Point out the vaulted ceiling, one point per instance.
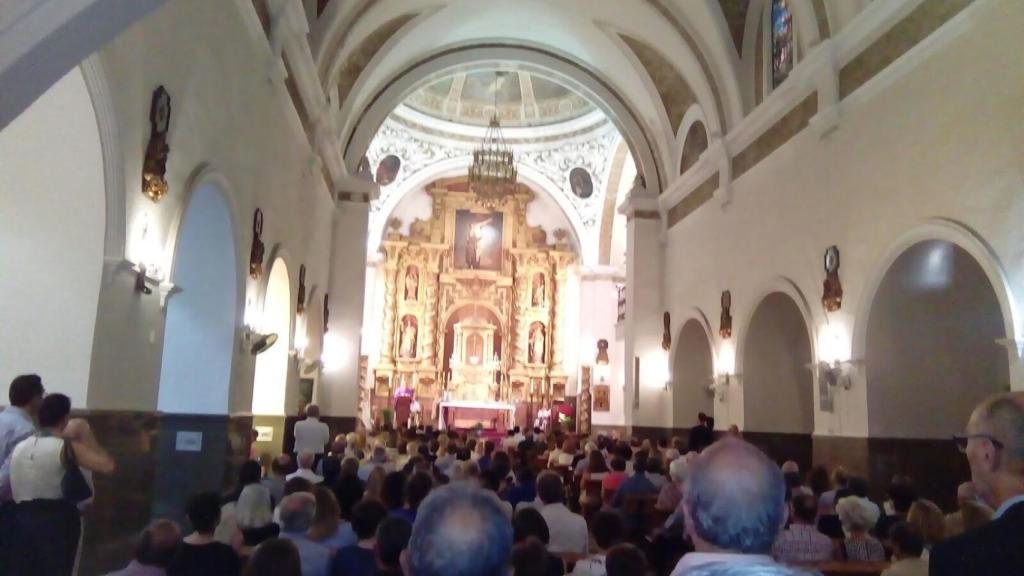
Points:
(655, 67)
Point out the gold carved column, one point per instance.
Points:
(431, 302)
(391, 251)
(521, 302)
(560, 262)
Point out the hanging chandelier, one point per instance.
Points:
(492, 175)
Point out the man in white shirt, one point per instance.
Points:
(568, 529)
(513, 439)
(311, 435)
(735, 505)
(306, 460)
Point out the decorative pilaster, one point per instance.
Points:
(560, 264)
(521, 301)
(430, 299)
(391, 252)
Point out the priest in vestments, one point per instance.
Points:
(403, 404)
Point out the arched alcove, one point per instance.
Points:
(195, 373)
(778, 389)
(52, 227)
(271, 378)
(692, 370)
(930, 347)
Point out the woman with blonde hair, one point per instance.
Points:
(374, 484)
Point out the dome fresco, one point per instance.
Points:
(524, 99)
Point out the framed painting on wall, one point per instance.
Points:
(602, 398)
(478, 240)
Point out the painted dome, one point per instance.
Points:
(524, 99)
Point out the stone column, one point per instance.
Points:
(643, 312)
(338, 391)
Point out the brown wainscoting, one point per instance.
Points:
(782, 446)
(935, 466)
(152, 478)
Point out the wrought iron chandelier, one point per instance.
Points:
(492, 175)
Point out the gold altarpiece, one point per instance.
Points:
(473, 305)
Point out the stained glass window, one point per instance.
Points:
(782, 41)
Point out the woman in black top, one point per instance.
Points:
(200, 554)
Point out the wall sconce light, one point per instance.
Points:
(332, 358)
(254, 341)
(147, 265)
(834, 366)
(836, 374)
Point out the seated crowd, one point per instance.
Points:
(427, 503)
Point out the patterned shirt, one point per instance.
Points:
(865, 549)
(802, 543)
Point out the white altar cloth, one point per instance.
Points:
(477, 405)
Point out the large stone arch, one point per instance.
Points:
(200, 330)
(568, 71)
(51, 230)
(929, 335)
(693, 366)
(776, 352)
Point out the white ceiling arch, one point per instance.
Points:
(583, 36)
(641, 141)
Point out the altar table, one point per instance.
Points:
(451, 409)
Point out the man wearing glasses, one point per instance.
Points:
(994, 446)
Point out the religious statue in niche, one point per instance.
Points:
(407, 342)
(832, 296)
(725, 327)
(478, 240)
(537, 343)
(539, 290)
(412, 282)
(300, 299)
(154, 166)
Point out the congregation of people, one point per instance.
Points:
(420, 502)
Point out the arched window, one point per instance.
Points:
(782, 41)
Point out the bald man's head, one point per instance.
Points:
(735, 498)
(995, 447)
(460, 531)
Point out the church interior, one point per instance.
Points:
(800, 217)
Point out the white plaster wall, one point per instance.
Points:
(943, 139)
(599, 308)
(51, 239)
(231, 114)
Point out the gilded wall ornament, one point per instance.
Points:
(154, 165)
(256, 251)
(832, 294)
(725, 327)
